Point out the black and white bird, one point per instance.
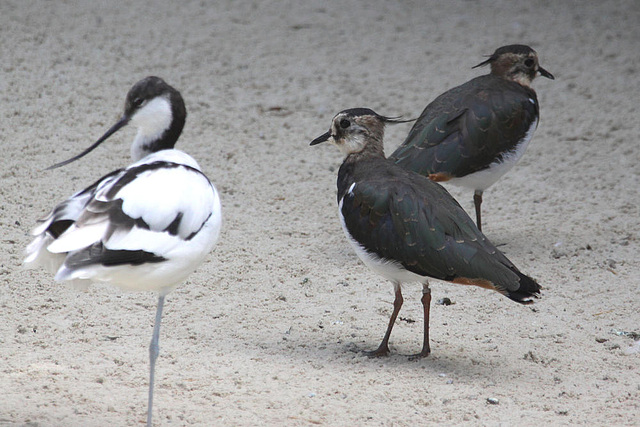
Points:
(408, 228)
(475, 133)
(145, 227)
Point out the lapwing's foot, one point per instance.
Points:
(382, 351)
(424, 353)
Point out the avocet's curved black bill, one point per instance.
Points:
(120, 124)
(545, 73)
(322, 138)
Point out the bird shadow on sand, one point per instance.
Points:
(515, 242)
(445, 360)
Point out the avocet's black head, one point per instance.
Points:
(357, 129)
(156, 109)
(516, 62)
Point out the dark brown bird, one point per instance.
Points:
(473, 134)
(408, 228)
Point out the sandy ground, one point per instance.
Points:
(270, 329)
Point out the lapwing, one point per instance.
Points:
(145, 227)
(473, 134)
(408, 228)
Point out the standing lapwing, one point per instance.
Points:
(145, 227)
(408, 228)
(473, 134)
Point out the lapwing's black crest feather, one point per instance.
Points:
(358, 112)
(516, 49)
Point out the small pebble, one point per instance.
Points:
(445, 301)
(633, 335)
(492, 400)
(634, 349)
(558, 253)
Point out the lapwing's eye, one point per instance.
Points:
(137, 102)
(344, 123)
(529, 62)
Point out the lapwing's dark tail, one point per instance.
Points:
(528, 289)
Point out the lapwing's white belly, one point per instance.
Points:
(485, 178)
(389, 269)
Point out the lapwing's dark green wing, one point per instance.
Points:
(423, 228)
(468, 127)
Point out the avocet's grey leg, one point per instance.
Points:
(154, 349)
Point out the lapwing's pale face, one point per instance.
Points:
(521, 68)
(351, 132)
(518, 63)
(348, 134)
